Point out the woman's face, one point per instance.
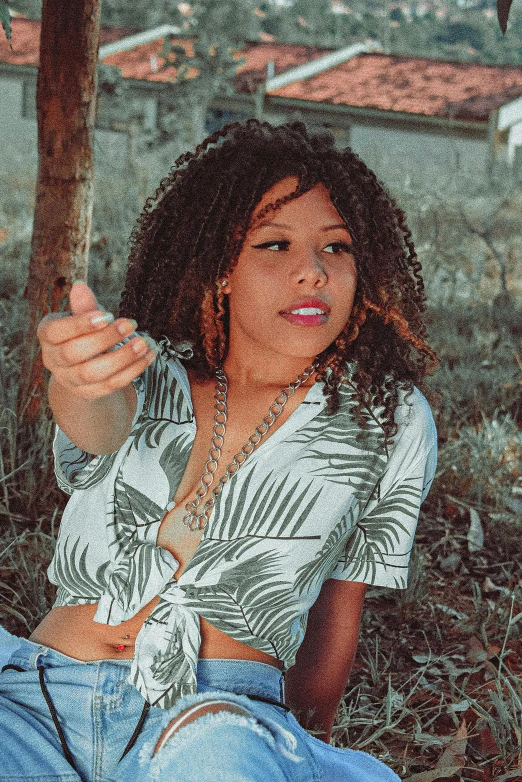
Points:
(291, 292)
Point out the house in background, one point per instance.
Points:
(18, 74)
(395, 111)
(404, 115)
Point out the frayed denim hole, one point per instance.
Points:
(146, 752)
(208, 697)
(285, 741)
(187, 702)
(277, 739)
(194, 732)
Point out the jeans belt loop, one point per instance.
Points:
(43, 651)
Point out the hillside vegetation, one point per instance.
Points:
(465, 30)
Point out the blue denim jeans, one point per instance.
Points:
(98, 711)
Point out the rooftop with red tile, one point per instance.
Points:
(25, 41)
(388, 82)
(416, 85)
(144, 61)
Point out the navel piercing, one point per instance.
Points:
(122, 647)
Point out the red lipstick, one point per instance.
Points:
(307, 312)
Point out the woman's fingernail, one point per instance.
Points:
(139, 346)
(126, 326)
(102, 319)
(75, 282)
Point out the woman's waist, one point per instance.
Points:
(72, 631)
(243, 677)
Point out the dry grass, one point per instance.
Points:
(436, 689)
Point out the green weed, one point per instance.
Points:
(439, 664)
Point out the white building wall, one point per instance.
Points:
(412, 155)
(18, 137)
(17, 134)
(407, 154)
(515, 144)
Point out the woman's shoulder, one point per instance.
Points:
(414, 411)
(416, 436)
(412, 415)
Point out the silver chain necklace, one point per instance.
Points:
(198, 521)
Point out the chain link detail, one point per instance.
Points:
(198, 521)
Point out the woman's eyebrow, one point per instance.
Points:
(270, 224)
(335, 227)
(273, 224)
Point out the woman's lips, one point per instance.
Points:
(307, 314)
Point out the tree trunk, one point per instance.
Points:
(66, 104)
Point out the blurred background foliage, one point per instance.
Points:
(464, 30)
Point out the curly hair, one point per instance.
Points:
(192, 229)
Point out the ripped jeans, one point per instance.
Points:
(98, 717)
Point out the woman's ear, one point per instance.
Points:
(225, 285)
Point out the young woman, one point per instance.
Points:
(240, 469)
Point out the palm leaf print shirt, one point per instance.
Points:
(321, 498)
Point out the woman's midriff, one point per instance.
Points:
(72, 631)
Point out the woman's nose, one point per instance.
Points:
(310, 269)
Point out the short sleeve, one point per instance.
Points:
(378, 547)
(75, 468)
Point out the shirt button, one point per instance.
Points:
(171, 505)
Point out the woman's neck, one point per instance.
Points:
(277, 373)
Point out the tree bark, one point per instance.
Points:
(66, 104)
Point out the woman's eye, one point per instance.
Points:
(338, 247)
(282, 245)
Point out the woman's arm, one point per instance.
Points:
(90, 390)
(318, 679)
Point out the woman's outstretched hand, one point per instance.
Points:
(77, 348)
(90, 390)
